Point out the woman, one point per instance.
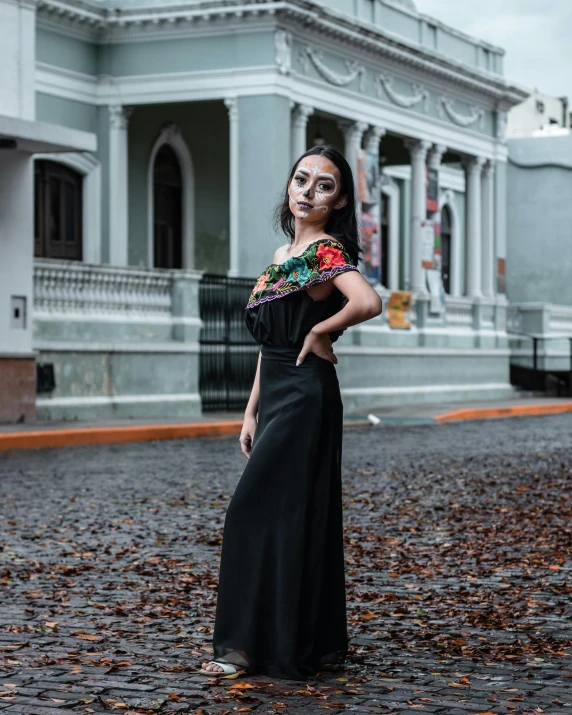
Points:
(281, 598)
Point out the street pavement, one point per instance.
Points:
(458, 561)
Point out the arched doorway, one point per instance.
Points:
(57, 211)
(446, 222)
(167, 209)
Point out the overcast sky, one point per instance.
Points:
(534, 33)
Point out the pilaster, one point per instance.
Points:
(231, 104)
(473, 167)
(418, 151)
(487, 229)
(118, 184)
(300, 116)
(353, 134)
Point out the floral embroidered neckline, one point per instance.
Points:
(320, 261)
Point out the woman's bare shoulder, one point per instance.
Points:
(281, 254)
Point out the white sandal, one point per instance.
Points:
(227, 669)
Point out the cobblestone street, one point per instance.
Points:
(458, 558)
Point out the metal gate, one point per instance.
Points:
(228, 353)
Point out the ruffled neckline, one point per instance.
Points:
(320, 261)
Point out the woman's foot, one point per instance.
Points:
(225, 666)
(212, 667)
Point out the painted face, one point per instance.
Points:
(314, 191)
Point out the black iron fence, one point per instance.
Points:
(538, 375)
(228, 353)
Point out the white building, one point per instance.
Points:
(195, 103)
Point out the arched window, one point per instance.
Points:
(57, 211)
(446, 248)
(167, 210)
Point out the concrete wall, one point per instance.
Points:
(16, 247)
(66, 112)
(116, 361)
(539, 235)
(17, 362)
(210, 52)
(17, 59)
(68, 52)
(264, 163)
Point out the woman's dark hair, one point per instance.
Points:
(342, 224)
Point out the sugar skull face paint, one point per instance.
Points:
(314, 190)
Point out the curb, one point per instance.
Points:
(115, 435)
(145, 433)
(484, 413)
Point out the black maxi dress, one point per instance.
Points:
(281, 607)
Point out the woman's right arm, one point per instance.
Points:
(249, 424)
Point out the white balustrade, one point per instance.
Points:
(459, 311)
(63, 287)
(560, 319)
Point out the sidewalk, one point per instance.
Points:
(217, 424)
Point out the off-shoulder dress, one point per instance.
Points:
(281, 606)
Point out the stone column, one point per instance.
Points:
(231, 104)
(473, 168)
(300, 116)
(118, 185)
(434, 162)
(418, 150)
(353, 134)
(488, 238)
(372, 143)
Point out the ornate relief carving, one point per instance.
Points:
(445, 105)
(501, 125)
(283, 51)
(340, 80)
(420, 94)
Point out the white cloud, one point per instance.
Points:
(535, 35)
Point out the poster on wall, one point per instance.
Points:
(432, 184)
(437, 253)
(427, 244)
(501, 275)
(436, 291)
(371, 245)
(368, 177)
(398, 309)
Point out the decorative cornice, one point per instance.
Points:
(316, 57)
(420, 94)
(88, 21)
(463, 120)
(501, 125)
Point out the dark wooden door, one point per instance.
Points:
(57, 211)
(167, 210)
(385, 239)
(446, 248)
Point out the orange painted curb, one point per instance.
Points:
(479, 413)
(114, 435)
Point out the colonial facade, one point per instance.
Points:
(199, 109)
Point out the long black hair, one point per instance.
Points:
(342, 224)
